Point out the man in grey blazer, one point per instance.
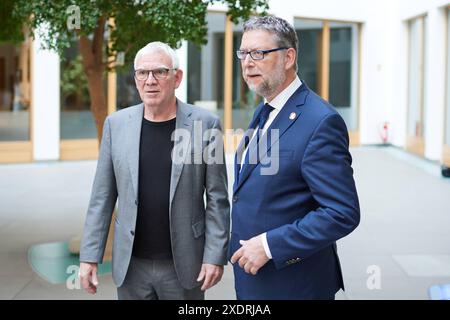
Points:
(159, 161)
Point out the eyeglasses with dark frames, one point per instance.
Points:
(158, 73)
(256, 54)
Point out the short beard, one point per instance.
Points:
(267, 88)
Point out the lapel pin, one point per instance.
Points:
(292, 116)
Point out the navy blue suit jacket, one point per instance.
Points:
(305, 207)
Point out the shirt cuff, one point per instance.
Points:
(266, 245)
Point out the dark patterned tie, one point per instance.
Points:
(263, 116)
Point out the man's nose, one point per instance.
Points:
(247, 61)
(151, 79)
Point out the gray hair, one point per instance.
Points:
(158, 46)
(285, 34)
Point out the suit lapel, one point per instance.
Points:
(183, 121)
(134, 127)
(282, 122)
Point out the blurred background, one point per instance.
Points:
(384, 65)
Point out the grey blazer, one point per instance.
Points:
(199, 232)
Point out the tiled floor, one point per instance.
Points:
(400, 249)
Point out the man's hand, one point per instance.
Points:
(251, 255)
(88, 276)
(211, 274)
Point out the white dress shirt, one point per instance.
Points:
(277, 103)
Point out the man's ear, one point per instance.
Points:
(178, 77)
(291, 54)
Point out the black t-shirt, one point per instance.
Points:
(152, 235)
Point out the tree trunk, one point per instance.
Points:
(94, 68)
(99, 107)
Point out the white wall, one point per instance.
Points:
(46, 103)
(376, 47)
(412, 8)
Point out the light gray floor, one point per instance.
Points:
(402, 246)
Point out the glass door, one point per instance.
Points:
(15, 103)
(77, 126)
(416, 68)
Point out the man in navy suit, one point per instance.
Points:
(285, 221)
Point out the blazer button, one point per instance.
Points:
(235, 199)
(132, 233)
(136, 202)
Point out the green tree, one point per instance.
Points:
(136, 22)
(10, 25)
(73, 82)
